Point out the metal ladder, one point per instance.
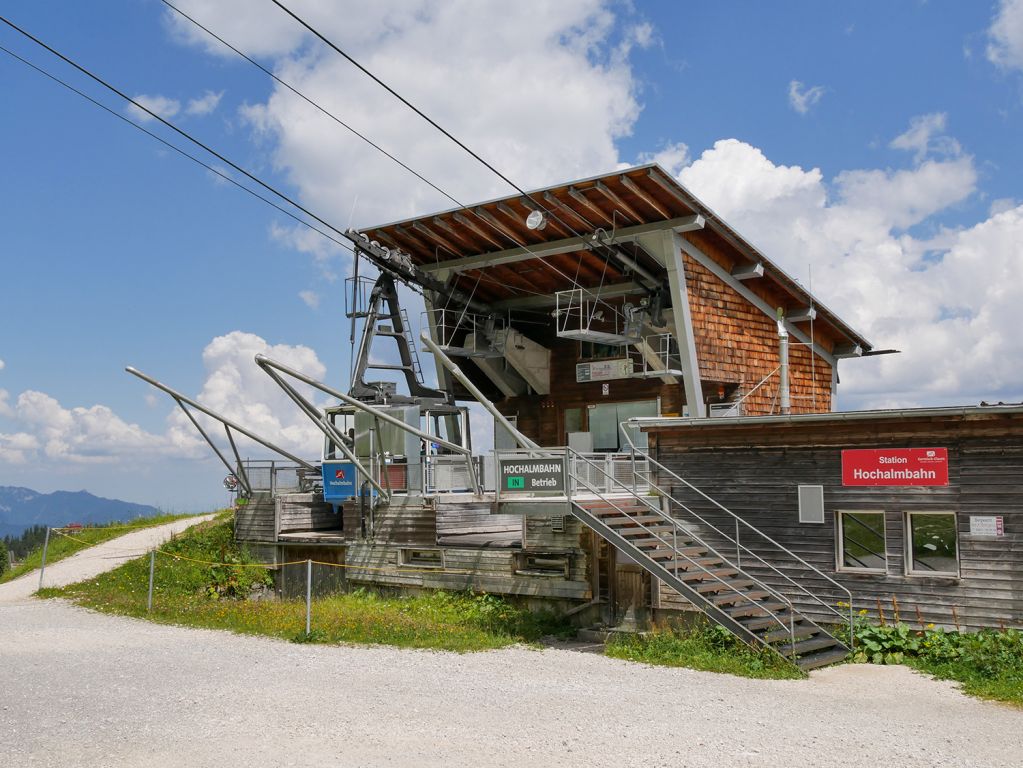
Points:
(669, 549)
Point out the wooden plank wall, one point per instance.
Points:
(759, 484)
(457, 516)
(305, 512)
(737, 343)
(479, 570)
(255, 520)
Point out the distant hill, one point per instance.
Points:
(21, 508)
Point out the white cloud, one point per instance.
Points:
(1001, 205)
(159, 105)
(48, 432)
(2, 365)
(542, 96)
(672, 157)
(205, 104)
(952, 304)
(926, 135)
(1005, 49)
(311, 298)
(802, 98)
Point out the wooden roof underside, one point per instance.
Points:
(493, 255)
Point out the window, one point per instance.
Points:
(422, 558)
(540, 564)
(861, 542)
(592, 350)
(932, 547)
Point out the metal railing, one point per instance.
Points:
(271, 476)
(676, 552)
(740, 525)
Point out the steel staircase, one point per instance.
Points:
(758, 614)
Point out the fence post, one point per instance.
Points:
(152, 568)
(308, 595)
(42, 568)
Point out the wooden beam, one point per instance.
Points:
(847, 350)
(437, 239)
(584, 201)
(487, 237)
(634, 188)
(619, 203)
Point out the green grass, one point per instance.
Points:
(987, 663)
(65, 543)
(704, 647)
(196, 595)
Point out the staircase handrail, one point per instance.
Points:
(676, 526)
(738, 520)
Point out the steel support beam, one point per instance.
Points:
(666, 247)
(555, 247)
(772, 312)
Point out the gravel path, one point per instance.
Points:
(82, 689)
(95, 560)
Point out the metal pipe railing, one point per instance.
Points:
(740, 521)
(676, 526)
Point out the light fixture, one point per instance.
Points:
(536, 220)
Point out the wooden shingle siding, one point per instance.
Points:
(737, 343)
(759, 482)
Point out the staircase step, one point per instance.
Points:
(755, 623)
(758, 609)
(699, 565)
(700, 575)
(667, 554)
(741, 597)
(822, 659)
(804, 647)
(655, 542)
(800, 629)
(660, 530)
(622, 520)
(714, 585)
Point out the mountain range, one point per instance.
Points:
(21, 508)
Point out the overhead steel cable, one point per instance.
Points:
(174, 128)
(331, 44)
(483, 220)
(177, 149)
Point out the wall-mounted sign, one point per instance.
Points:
(603, 370)
(895, 466)
(987, 525)
(522, 475)
(339, 481)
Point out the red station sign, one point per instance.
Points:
(895, 466)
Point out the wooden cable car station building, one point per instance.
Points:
(665, 440)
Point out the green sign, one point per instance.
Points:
(529, 475)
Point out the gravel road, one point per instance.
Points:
(79, 688)
(95, 560)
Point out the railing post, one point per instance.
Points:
(42, 567)
(308, 595)
(152, 569)
(738, 561)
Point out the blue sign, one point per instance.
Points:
(340, 481)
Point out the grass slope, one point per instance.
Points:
(65, 544)
(705, 647)
(198, 595)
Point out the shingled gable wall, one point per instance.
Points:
(737, 343)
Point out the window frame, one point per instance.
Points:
(840, 565)
(907, 525)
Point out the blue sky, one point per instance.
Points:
(877, 141)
